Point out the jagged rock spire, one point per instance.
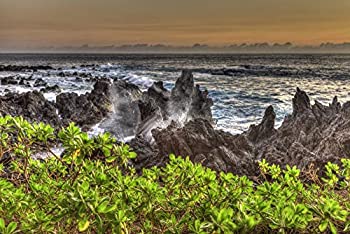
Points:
(265, 129)
(301, 102)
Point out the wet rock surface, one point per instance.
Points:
(10, 80)
(53, 89)
(39, 82)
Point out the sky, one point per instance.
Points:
(39, 23)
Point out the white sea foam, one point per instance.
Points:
(50, 96)
(55, 151)
(96, 130)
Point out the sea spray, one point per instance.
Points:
(124, 116)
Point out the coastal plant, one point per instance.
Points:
(92, 187)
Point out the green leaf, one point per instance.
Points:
(83, 225)
(347, 227)
(251, 221)
(85, 186)
(2, 224)
(323, 225)
(197, 225)
(11, 227)
(106, 151)
(111, 159)
(132, 155)
(224, 214)
(110, 209)
(103, 207)
(333, 228)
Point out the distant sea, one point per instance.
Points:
(242, 86)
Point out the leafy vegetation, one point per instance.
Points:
(93, 188)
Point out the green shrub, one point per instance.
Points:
(92, 188)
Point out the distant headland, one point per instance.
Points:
(263, 47)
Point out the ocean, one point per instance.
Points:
(241, 85)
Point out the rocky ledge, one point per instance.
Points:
(180, 122)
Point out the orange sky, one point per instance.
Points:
(36, 23)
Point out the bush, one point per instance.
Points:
(93, 188)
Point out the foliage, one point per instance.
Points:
(93, 188)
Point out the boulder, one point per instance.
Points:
(51, 89)
(10, 80)
(39, 82)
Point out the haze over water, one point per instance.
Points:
(240, 97)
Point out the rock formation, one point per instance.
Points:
(158, 107)
(312, 134)
(180, 122)
(203, 144)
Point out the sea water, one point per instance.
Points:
(240, 97)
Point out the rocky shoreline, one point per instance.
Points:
(180, 122)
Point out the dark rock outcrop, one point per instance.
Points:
(180, 122)
(19, 68)
(203, 144)
(265, 129)
(32, 106)
(313, 134)
(123, 109)
(113, 103)
(25, 82)
(53, 89)
(10, 80)
(87, 109)
(147, 154)
(189, 100)
(39, 82)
